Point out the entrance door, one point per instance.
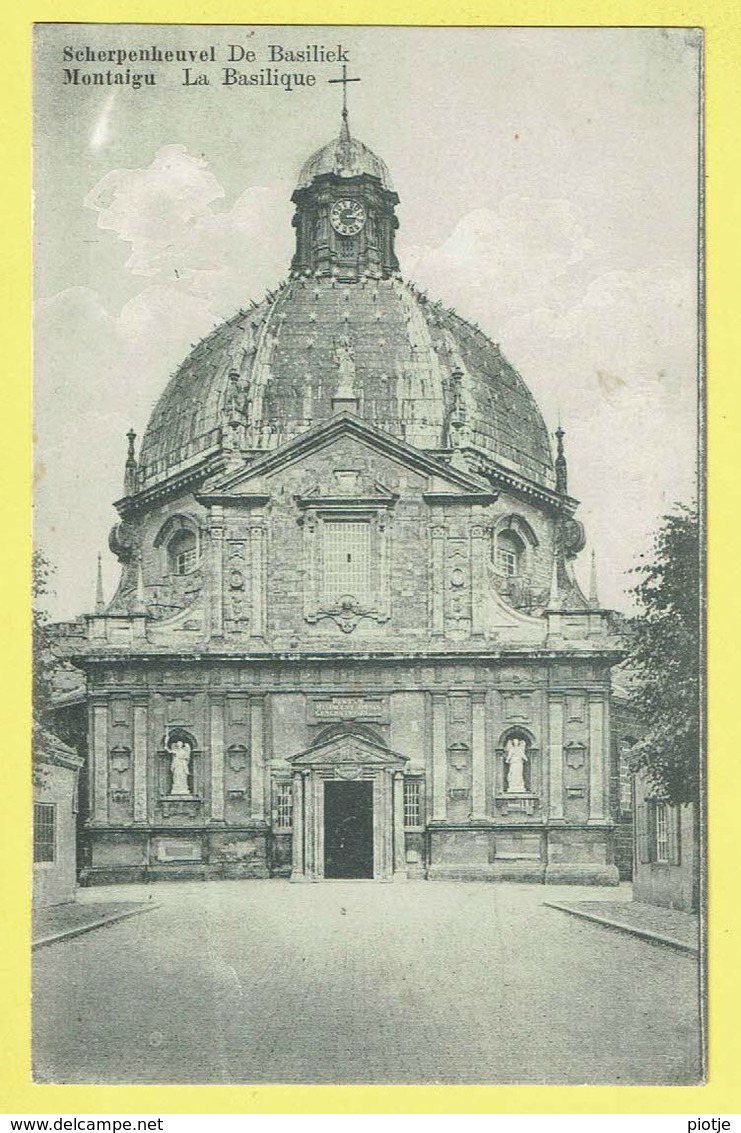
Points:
(348, 828)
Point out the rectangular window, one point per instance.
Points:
(346, 548)
(44, 832)
(507, 562)
(661, 828)
(412, 802)
(284, 806)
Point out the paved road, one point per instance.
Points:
(361, 982)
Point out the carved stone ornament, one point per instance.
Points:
(348, 771)
(576, 755)
(185, 807)
(347, 613)
(120, 760)
(237, 757)
(120, 796)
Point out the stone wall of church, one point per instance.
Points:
(451, 724)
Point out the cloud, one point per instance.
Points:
(611, 352)
(173, 216)
(498, 263)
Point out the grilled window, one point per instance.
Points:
(183, 551)
(44, 832)
(412, 802)
(661, 829)
(346, 548)
(507, 561)
(284, 806)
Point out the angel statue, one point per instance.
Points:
(515, 756)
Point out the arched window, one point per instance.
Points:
(178, 544)
(509, 554)
(182, 551)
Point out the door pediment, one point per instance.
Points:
(348, 751)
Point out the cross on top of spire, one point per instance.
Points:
(345, 130)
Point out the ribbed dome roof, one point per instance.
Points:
(380, 339)
(345, 157)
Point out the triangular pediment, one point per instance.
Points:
(251, 479)
(349, 749)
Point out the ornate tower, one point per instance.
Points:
(345, 219)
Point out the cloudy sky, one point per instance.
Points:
(548, 183)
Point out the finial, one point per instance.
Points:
(130, 475)
(99, 596)
(593, 596)
(560, 463)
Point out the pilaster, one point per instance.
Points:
(555, 747)
(478, 755)
(217, 760)
(100, 763)
(439, 757)
(597, 758)
(257, 758)
(140, 762)
(216, 545)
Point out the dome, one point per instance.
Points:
(344, 157)
(414, 369)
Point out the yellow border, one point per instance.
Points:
(722, 24)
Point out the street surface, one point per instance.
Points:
(355, 981)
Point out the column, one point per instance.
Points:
(217, 761)
(555, 735)
(216, 534)
(257, 758)
(478, 551)
(297, 869)
(597, 759)
(437, 599)
(478, 755)
(257, 571)
(100, 763)
(140, 762)
(400, 862)
(439, 757)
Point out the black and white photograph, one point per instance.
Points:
(368, 741)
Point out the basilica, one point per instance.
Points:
(347, 641)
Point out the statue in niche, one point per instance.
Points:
(180, 753)
(515, 757)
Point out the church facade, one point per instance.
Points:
(347, 640)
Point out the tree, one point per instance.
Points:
(665, 660)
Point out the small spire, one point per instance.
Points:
(344, 128)
(561, 470)
(99, 596)
(130, 474)
(593, 596)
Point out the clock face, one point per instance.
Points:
(347, 217)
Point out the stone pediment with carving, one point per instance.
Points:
(349, 750)
(352, 486)
(254, 479)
